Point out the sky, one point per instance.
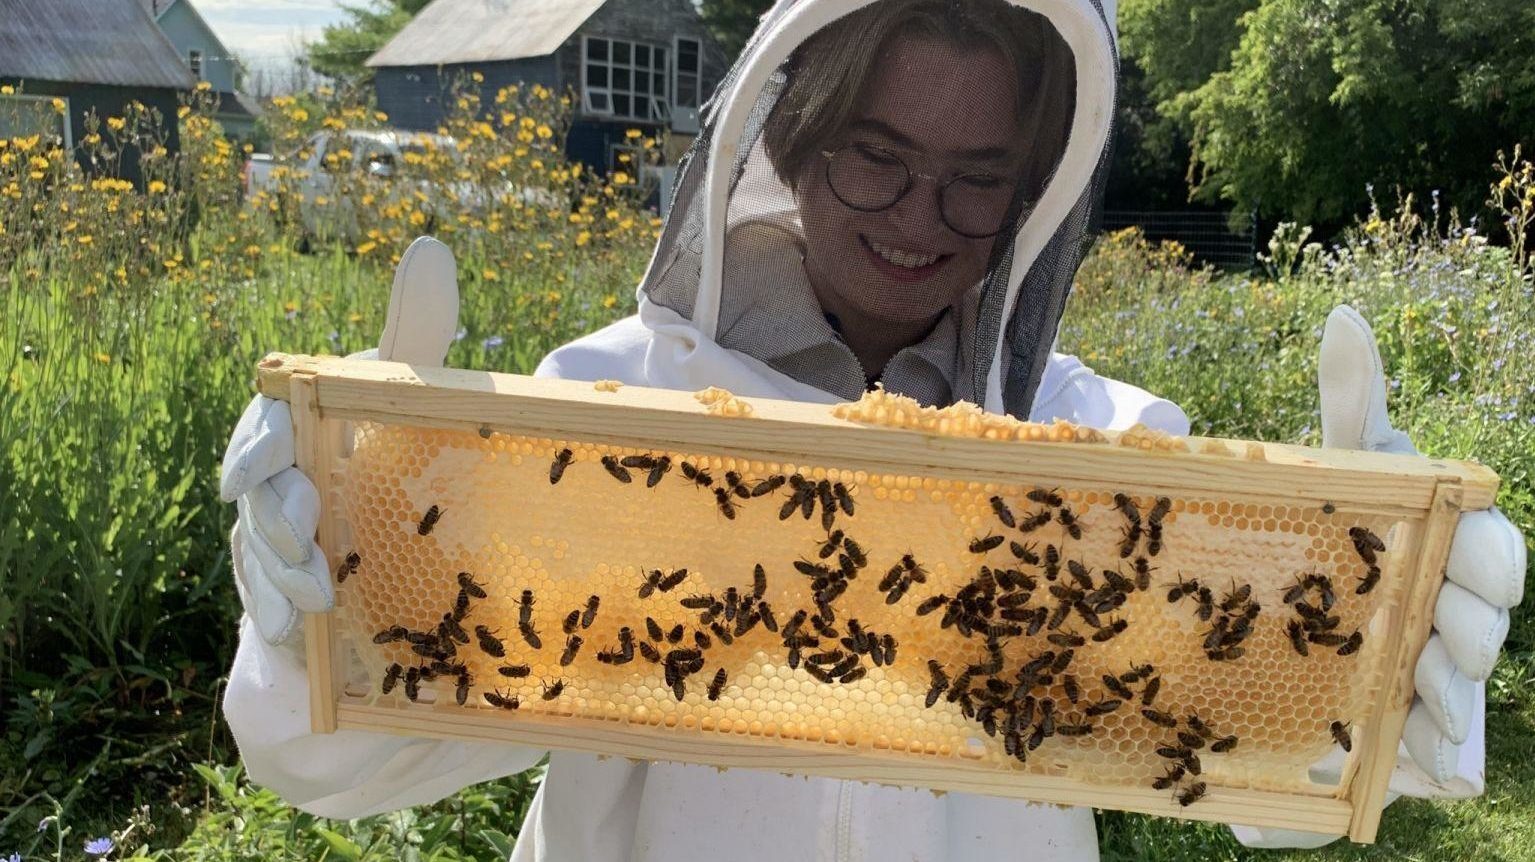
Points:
(268, 33)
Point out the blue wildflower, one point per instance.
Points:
(14, 857)
(1455, 377)
(492, 342)
(459, 335)
(99, 847)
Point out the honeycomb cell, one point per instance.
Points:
(590, 534)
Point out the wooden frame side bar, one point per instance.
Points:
(315, 458)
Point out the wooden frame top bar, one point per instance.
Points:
(657, 418)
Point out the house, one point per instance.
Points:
(65, 59)
(646, 64)
(208, 60)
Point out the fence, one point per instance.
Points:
(1207, 235)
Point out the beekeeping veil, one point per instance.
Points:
(746, 181)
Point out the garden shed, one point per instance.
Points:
(646, 64)
(64, 59)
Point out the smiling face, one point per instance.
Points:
(946, 112)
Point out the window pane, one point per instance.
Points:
(641, 107)
(621, 104)
(658, 83)
(597, 49)
(621, 79)
(620, 52)
(660, 63)
(596, 76)
(600, 102)
(687, 54)
(687, 91)
(642, 55)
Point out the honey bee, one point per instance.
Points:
(1173, 775)
(589, 615)
(844, 497)
(557, 467)
(1328, 639)
(1117, 581)
(1366, 543)
(615, 469)
(1079, 571)
(1182, 588)
(932, 603)
(1190, 739)
(702, 640)
(515, 671)
(1052, 562)
(717, 685)
(670, 582)
(429, 520)
(726, 506)
(1102, 707)
(1341, 736)
(1323, 585)
(1159, 718)
(855, 552)
(795, 500)
(391, 676)
(412, 683)
(1371, 578)
(854, 675)
(461, 690)
(1328, 508)
(1068, 519)
(650, 653)
(638, 462)
(348, 566)
(1297, 637)
(765, 613)
(1024, 552)
(469, 585)
(1236, 598)
(449, 628)
(1044, 497)
(887, 646)
(1004, 514)
(1143, 571)
(553, 691)
(1198, 725)
(1066, 639)
(675, 635)
(663, 464)
(1131, 538)
(1035, 521)
(1194, 793)
(831, 544)
(501, 701)
(391, 634)
(572, 646)
(1072, 688)
(985, 544)
(489, 644)
(768, 486)
(530, 635)
(1108, 632)
(1224, 744)
(1352, 645)
(572, 619)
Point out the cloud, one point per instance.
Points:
(268, 31)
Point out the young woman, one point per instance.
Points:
(896, 192)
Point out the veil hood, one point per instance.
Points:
(1016, 308)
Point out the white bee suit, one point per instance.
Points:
(695, 330)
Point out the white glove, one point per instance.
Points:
(279, 568)
(1484, 577)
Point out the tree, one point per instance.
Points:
(1317, 100)
(343, 48)
(732, 21)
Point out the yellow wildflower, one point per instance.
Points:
(609, 301)
(104, 358)
(116, 124)
(156, 187)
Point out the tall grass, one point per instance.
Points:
(131, 319)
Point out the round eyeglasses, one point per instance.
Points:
(869, 178)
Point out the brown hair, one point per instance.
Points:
(828, 73)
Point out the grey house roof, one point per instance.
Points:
(471, 31)
(111, 42)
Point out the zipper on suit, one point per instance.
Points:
(845, 821)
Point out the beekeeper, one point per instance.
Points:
(898, 192)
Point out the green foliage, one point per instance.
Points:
(1321, 100)
(343, 48)
(732, 21)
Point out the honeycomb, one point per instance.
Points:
(1113, 637)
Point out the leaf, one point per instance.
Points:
(36, 744)
(499, 840)
(339, 844)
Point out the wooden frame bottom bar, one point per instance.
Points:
(1222, 805)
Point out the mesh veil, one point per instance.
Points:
(779, 251)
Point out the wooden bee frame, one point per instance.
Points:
(1424, 496)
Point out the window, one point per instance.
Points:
(687, 89)
(625, 80)
(195, 63)
(22, 116)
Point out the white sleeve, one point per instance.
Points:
(349, 773)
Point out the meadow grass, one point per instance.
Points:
(131, 320)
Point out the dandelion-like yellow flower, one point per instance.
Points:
(366, 247)
(631, 134)
(583, 238)
(609, 301)
(490, 275)
(104, 358)
(620, 178)
(156, 187)
(60, 105)
(116, 124)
